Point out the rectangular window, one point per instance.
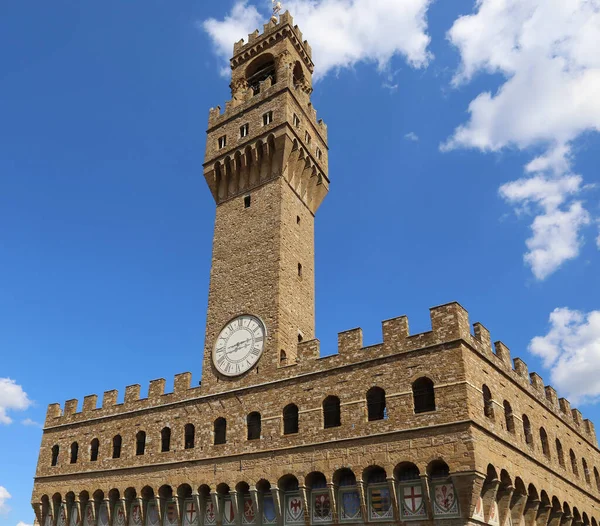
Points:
(247, 201)
(296, 121)
(222, 142)
(244, 130)
(267, 118)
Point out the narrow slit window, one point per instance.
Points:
(307, 138)
(299, 270)
(222, 142)
(319, 154)
(296, 121)
(244, 130)
(268, 118)
(247, 201)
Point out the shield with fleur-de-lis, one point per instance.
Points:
(444, 499)
(135, 514)
(210, 516)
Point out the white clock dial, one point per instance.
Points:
(239, 345)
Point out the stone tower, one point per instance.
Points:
(266, 166)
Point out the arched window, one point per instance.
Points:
(586, 471)
(95, 446)
(560, 453)
(544, 440)
(331, 412)
(407, 471)
(376, 404)
(282, 357)
(509, 417)
(597, 477)
(438, 469)
(117, 443)
(165, 439)
(298, 75)
(527, 430)
(220, 431)
(140, 443)
(574, 463)
(55, 450)
(260, 70)
(189, 436)
(423, 395)
(488, 403)
(253, 422)
(74, 452)
(290, 419)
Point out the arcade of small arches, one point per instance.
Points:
(504, 501)
(376, 495)
(256, 163)
(423, 391)
(510, 423)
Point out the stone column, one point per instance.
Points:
(214, 497)
(305, 497)
(237, 510)
(566, 520)
(426, 489)
(394, 496)
(180, 509)
(256, 504)
(333, 499)
(277, 498)
(109, 511)
(362, 490)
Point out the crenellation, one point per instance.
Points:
(450, 322)
(90, 403)
(565, 407)
(591, 430)
(309, 351)
(577, 417)
(182, 383)
(71, 407)
(132, 393)
(253, 37)
(537, 383)
(54, 411)
(156, 389)
(350, 341)
(552, 397)
(299, 33)
(483, 336)
(395, 332)
(521, 369)
(110, 399)
(503, 353)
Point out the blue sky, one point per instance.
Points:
(463, 165)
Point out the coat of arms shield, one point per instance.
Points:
(294, 510)
(228, 512)
(269, 515)
(209, 515)
(190, 513)
(350, 505)
(88, 516)
(413, 504)
(119, 519)
(170, 514)
(444, 501)
(135, 518)
(103, 515)
(249, 516)
(62, 517)
(321, 507)
(74, 516)
(152, 515)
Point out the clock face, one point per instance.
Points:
(239, 345)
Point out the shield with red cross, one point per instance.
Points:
(190, 513)
(412, 501)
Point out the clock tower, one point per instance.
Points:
(266, 166)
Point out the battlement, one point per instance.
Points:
(449, 324)
(270, 30)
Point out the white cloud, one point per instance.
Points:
(4, 496)
(411, 136)
(341, 32)
(31, 423)
(12, 397)
(547, 52)
(571, 349)
(21, 523)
